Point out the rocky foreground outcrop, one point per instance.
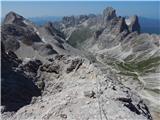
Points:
(71, 88)
(65, 87)
(17, 87)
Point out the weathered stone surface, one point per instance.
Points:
(13, 34)
(67, 94)
(12, 17)
(108, 14)
(52, 68)
(44, 49)
(17, 89)
(30, 67)
(90, 94)
(51, 29)
(74, 65)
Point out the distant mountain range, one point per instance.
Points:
(148, 25)
(43, 20)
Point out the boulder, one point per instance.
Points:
(90, 94)
(51, 68)
(73, 65)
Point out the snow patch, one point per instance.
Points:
(37, 33)
(25, 22)
(43, 39)
(35, 30)
(128, 21)
(124, 55)
(26, 60)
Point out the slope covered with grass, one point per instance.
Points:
(79, 36)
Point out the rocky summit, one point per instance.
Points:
(87, 67)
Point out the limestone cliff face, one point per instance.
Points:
(17, 88)
(108, 14)
(134, 24)
(12, 17)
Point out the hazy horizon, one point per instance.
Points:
(149, 9)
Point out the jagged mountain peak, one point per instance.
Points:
(14, 14)
(108, 14)
(107, 19)
(121, 25)
(133, 24)
(50, 27)
(49, 24)
(13, 17)
(52, 30)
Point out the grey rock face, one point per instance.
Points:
(73, 20)
(44, 49)
(51, 68)
(82, 18)
(108, 14)
(90, 94)
(30, 67)
(98, 33)
(69, 21)
(17, 88)
(74, 65)
(18, 33)
(12, 17)
(11, 44)
(138, 109)
(118, 25)
(134, 24)
(50, 27)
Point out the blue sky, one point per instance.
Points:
(149, 9)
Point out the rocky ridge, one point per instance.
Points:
(73, 88)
